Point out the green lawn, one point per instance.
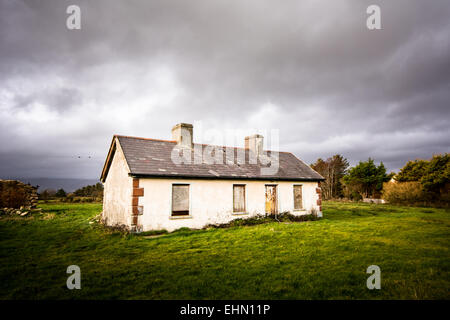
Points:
(325, 259)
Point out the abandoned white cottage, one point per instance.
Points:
(147, 188)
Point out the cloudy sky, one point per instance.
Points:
(310, 69)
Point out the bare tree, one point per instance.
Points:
(333, 170)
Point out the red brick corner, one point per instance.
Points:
(136, 209)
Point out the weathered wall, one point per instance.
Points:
(211, 201)
(16, 194)
(117, 192)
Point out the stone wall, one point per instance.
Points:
(377, 201)
(16, 194)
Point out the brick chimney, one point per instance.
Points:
(182, 133)
(255, 143)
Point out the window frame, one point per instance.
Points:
(293, 197)
(180, 216)
(245, 199)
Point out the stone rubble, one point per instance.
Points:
(17, 198)
(22, 212)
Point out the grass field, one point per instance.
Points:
(324, 259)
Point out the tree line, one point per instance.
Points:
(94, 192)
(422, 182)
(418, 181)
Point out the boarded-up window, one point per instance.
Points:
(180, 199)
(238, 198)
(298, 201)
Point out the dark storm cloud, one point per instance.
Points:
(309, 68)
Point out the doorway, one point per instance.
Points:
(271, 199)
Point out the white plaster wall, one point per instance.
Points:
(117, 192)
(211, 201)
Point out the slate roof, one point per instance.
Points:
(152, 158)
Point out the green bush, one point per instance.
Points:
(260, 219)
(355, 196)
(433, 175)
(410, 192)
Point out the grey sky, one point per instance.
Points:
(308, 68)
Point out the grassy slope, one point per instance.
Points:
(324, 259)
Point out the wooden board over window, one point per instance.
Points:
(238, 198)
(298, 198)
(180, 199)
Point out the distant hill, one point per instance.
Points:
(68, 184)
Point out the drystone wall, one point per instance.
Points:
(17, 196)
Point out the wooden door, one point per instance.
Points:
(271, 199)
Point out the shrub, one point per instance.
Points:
(14, 194)
(60, 193)
(355, 196)
(433, 174)
(95, 190)
(410, 192)
(260, 219)
(152, 233)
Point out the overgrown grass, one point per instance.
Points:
(324, 259)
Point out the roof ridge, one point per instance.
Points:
(202, 144)
(141, 138)
(215, 145)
